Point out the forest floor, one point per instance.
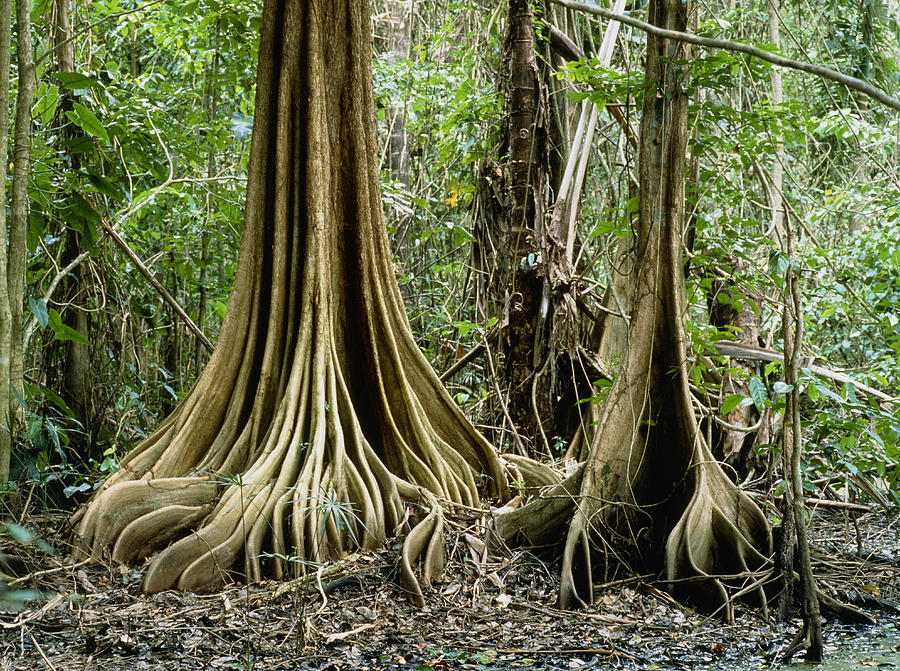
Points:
(487, 615)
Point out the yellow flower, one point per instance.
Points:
(454, 197)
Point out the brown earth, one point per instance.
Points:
(494, 614)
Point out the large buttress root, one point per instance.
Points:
(317, 419)
(722, 536)
(425, 541)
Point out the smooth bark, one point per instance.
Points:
(5, 311)
(20, 206)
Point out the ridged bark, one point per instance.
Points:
(317, 418)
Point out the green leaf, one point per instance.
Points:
(730, 403)
(812, 390)
(82, 117)
(758, 393)
(104, 185)
(780, 488)
(75, 80)
(39, 310)
(64, 331)
(18, 396)
(36, 226)
(778, 263)
(19, 533)
(47, 98)
(782, 387)
(825, 391)
(78, 145)
(82, 217)
(26, 537)
(57, 400)
(461, 236)
(38, 9)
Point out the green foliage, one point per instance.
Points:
(854, 439)
(125, 139)
(858, 306)
(137, 108)
(447, 95)
(604, 84)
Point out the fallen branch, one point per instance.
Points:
(745, 351)
(165, 295)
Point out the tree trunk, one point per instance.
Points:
(398, 37)
(75, 382)
(397, 44)
(316, 417)
(5, 312)
(211, 105)
(810, 636)
(20, 207)
(649, 480)
(508, 252)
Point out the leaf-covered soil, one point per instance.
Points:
(494, 614)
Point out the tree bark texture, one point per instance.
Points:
(316, 418)
(20, 206)
(5, 312)
(810, 636)
(510, 234)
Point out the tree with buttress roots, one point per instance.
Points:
(648, 489)
(317, 418)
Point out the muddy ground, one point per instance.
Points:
(496, 614)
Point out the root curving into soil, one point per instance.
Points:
(317, 420)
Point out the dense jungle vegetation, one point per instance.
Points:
(128, 138)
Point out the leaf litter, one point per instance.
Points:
(487, 614)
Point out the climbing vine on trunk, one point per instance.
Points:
(648, 481)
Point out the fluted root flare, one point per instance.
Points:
(317, 418)
(426, 540)
(722, 538)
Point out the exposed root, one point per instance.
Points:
(576, 578)
(844, 612)
(643, 463)
(317, 418)
(104, 521)
(528, 474)
(426, 540)
(804, 640)
(540, 520)
(720, 532)
(148, 534)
